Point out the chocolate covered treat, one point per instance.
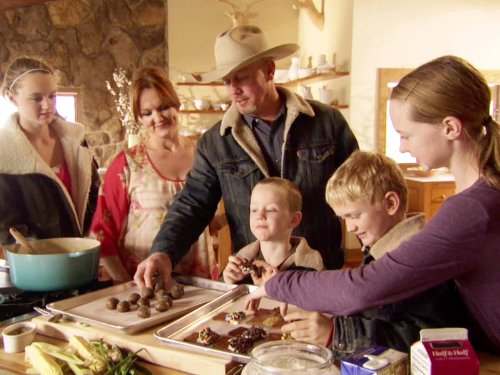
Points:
(148, 292)
(249, 268)
(177, 291)
(207, 337)
(133, 298)
(239, 344)
(235, 317)
(160, 293)
(254, 334)
(267, 318)
(143, 312)
(123, 306)
(162, 305)
(111, 303)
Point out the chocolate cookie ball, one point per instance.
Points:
(143, 301)
(143, 312)
(133, 298)
(148, 292)
(111, 303)
(123, 306)
(162, 305)
(177, 291)
(160, 294)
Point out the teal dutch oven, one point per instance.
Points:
(59, 264)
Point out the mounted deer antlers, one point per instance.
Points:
(238, 16)
(317, 16)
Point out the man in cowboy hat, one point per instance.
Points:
(267, 131)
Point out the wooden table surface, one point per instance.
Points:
(14, 363)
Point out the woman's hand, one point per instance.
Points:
(149, 268)
(253, 299)
(232, 273)
(309, 326)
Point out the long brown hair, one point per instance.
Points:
(152, 77)
(450, 86)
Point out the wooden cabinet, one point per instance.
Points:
(427, 194)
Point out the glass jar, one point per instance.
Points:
(291, 357)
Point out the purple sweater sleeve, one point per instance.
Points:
(446, 248)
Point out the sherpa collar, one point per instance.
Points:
(302, 255)
(19, 158)
(401, 232)
(233, 121)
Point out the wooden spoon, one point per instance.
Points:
(22, 240)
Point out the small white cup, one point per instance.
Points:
(17, 336)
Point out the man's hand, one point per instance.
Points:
(155, 264)
(232, 273)
(308, 326)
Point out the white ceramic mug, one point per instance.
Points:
(325, 95)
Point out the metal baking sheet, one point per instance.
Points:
(186, 327)
(91, 307)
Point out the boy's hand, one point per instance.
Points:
(309, 326)
(266, 272)
(232, 273)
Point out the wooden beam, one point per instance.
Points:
(12, 4)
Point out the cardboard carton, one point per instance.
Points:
(375, 360)
(443, 351)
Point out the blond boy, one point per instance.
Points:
(369, 192)
(275, 211)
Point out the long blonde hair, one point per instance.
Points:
(450, 86)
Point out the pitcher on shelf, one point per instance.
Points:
(293, 71)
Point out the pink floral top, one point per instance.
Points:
(133, 200)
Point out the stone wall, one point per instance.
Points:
(85, 40)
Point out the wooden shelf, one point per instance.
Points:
(219, 111)
(317, 77)
(203, 112)
(340, 106)
(200, 84)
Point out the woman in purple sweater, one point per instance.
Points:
(441, 112)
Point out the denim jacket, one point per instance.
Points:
(229, 163)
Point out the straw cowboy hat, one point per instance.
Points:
(239, 47)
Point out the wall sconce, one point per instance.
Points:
(317, 16)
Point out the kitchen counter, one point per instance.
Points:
(166, 359)
(14, 363)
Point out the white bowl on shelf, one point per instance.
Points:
(306, 72)
(281, 75)
(201, 104)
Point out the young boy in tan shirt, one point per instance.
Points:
(275, 211)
